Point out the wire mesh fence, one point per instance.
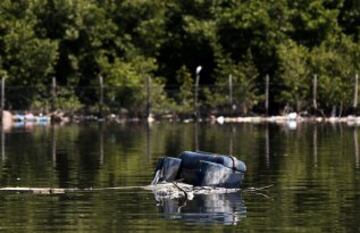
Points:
(119, 100)
(140, 100)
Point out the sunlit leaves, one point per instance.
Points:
(127, 40)
(294, 74)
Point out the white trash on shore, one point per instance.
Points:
(286, 119)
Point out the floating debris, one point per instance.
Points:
(201, 169)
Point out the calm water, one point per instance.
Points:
(314, 170)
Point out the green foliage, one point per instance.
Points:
(294, 74)
(185, 99)
(68, 102)
(243, 77)
(333, 63)
(313, 21)
(349, 18)
(126, 84)
(127, 41)
(29, 61)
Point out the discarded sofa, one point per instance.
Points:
(201, 169)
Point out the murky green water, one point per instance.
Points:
(314, 170)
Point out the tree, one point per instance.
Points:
(293, 74)
(333, 62)
(185, 98)
(28, 60)
(349, 18)
(313, 21)
(256, 25)
(125, 84)
(244, 75)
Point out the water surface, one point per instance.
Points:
(314, 171)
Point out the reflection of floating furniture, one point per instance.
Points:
(201, 169)
(223, 208)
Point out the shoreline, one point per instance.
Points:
(13, 119)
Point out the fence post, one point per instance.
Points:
(53, 94)
(356, 89)
(267, 146)
(2, 132)
(231, 92)
(196, 135)
(148, 141)
(148, 96)
(3, 156)
(267, 94)
(314, 92)
(356, 147)
(101, 143)
(53, 144)
(2, 98)
(196, 112)
(101, 97)
(315, 148)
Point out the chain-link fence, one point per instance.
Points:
(140, 100)
(137, 101)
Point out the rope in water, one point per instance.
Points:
(177, 186)
(49, 190)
